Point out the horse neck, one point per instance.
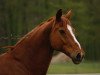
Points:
(35, 49)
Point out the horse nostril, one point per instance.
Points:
(78, 57)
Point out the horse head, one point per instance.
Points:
(63, 39)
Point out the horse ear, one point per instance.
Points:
(58, 15)
(68, 15)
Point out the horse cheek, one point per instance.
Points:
(56, 42)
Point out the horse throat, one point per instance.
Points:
(35, 51)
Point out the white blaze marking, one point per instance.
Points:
(70, 30)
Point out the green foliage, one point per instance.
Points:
(17, 17)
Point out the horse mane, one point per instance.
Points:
(26, 36)
(9, 48)
(29, 33)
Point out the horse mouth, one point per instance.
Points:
(75, 61)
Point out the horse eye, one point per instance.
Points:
(62, 31)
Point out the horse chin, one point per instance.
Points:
(76, 61)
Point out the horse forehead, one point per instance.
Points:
(69, 28)
(66, 21)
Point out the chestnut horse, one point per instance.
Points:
(32, 54)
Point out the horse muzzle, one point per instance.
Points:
(78, 58)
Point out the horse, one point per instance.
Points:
(32, 54)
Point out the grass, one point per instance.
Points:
(70, 68)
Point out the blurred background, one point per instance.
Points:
(17, 17)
